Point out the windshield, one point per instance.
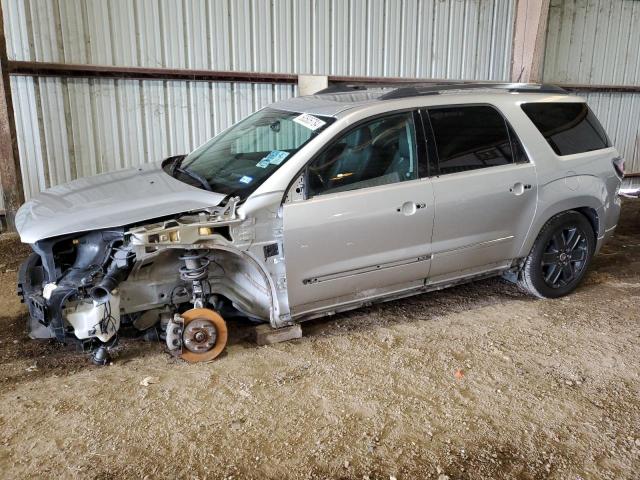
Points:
(239, 160)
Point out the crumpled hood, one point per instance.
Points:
(109, 200)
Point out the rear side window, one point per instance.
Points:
(470, 137)
(568, 127)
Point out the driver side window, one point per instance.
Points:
(376, 153)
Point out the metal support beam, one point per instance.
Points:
(529, 36)
(10, 174)
(143, 73)
(64, 70)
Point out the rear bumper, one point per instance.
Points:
(630, 192)
(605, 238)
(608, 216)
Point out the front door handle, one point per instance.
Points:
(519, 188)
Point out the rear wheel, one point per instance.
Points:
(559, 258)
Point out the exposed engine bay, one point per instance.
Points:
(173, 278)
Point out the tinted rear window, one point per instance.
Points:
(568, 127)
(470, 137)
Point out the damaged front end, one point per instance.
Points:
(70, 285)
(172, 278)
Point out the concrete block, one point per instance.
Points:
(264, 334)
(310, 84)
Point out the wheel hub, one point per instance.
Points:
(199, 335)
(202, 337)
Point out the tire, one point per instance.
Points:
(559, 259)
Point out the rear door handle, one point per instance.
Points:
(409, 208)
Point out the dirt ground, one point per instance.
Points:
(478, 381)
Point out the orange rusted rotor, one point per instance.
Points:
(204, 335)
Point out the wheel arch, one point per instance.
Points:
(556, 197)
(593, 217)
(235, 274)
(258, 298)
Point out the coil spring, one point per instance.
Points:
(196, 265)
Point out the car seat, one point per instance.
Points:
(354, 160)
(401, 163)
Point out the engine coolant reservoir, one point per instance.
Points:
(90, 319)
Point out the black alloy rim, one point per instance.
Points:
(564, 257)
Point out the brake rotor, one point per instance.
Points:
(204, 335)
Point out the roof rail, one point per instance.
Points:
(414, 91)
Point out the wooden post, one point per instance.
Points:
(529, 37)
(10, 174)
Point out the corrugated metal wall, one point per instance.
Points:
(468, 39)
(70, 128)
(597, 42)
(620, 116)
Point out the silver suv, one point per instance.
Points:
(321, 204)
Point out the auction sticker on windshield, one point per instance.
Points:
(246, 179)
(309, 121)
(275, 157)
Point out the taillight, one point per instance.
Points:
(618, 165)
